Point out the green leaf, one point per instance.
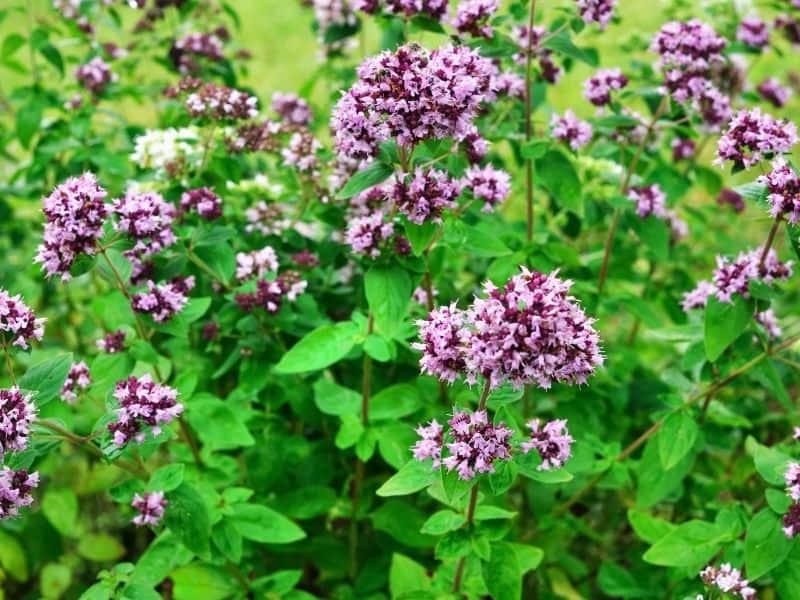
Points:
(562, 43)
(502, 573)
(487, 512)
(262, 524)
(60, 506)
(334, 399)
(691, 545)
(167, 478)
(29, 117)
(394, 402)
(557, 174)
(765, 545)
(12, 557)
(378, 348)
(187, 518)
(529, 557)
(655, 482)
(617, 582)
(647, 527)
(179, 324)
(406, 576)
(676, 438)
(388, 291)
(100, 547)
(414, 476)
(216, 424)
(162, 555)
(724, 323)
(374, 174)
(419, 236)
(319, 349)
(443, 521)
(220, 258)
(770, 462)
(46, 378)
(202, 582)
(55, 579)
(228, 539)
(11, 44)
(403, 522)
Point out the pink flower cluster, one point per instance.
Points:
(530, 331)
(266, 219)
(596, 11)
(269, 295)
(473, 444)
(783, 186)
(734, 277)
(488, 184)
(472, 17)
(218, 102)
(15, 491)
(597, 89)
(95, 75)
(773, 92)
(435, 9)
(184, 51)
(256, 263)
(112, 342)
(147, 219)
(301, 152)
(426, 195)
(368, 234)
(728, 580)
(552, 441)
(18, 323)
(78, 378)
(75, 212)
(650, 200)
(204, 202)
(411, 95)
(752, 136)
(682, 149)
(571, 130)
(753, 32)
(150, 506)
(17, 412)
(293, 110)
(162, 301)
(142, 404)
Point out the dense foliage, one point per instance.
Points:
(410, 331)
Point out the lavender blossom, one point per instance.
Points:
(552, 441)
(571, 130)
(430, 444)
(488, 184)
(142, 404)
(150, 506)
(650, 200)
(18, 323)
(440, 343)
(426, 196)
(472, 17)
(773, 92)
(792, 479)
(420, 295)
(752, 136)
(366, 235)
(682, 149)
(147, 219)
(164, 300)
(75, 212)
(301, 152)
(769, 321)
(216, 102)
(266, 219)
(95, 75)
(204, 202)
(17, 412)
(112, 342)
(753, 32)
(185, 50)
(531, 37)
(256, 263)
(596, 11)
(15, 491)
(597, 89)
(783, 185)
(435, 9)
(293, 110)
(78, 378)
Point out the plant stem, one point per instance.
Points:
(358, 479)
(529, 174)
(623, 189)
(9, 364)
(770, 239)
(473, 497)
(655, 427)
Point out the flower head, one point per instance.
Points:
(204, 202)
(596, 11)
(773, 92)
(18, 323)
(163, 301)
(147, 219)
(186, 50)
(753, 135)
(15, 491)
(150, 506)
(366, 235)
(426, 196)
(293, 110)
(17, 412)
(142, 404)
(78, 378)
(440, 343)
(112, 342)
(472, 17)
(731, 198)
(256, 263)
(650, 200)
(753, 32)
(783, 185)
(95, 75)
(571, 130)
(269, 295)
(552, 441)
(728, 580)
(75, 212)
(597, 89)
(430, 443)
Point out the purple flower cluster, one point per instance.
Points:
(552, 441)
(525, 37)
(95, 75)
(597, 89)
(596, 11)
(435, 9)
(266, 219)
(420, 295)
(204, 202)
(301, 152)
(112, 342)
(426, 196)
(769, 321)
(218, 102)
(17, 412)
(163, 301)
(752, 136)
(530, 331)
(727, 580)
(142, 404)
(488, 184)
(184, 51)
(650, 200)
(734, 277)
(293, 110)
(773, 92)
(75, 213)
(783, 185)
(150, 506)
(269, 295)
(473, 444)
(366, 235)
(508, 83)
(147, 219)
(255, 137)
(15, 491)
(472, 17)
(411, 95)
(78, 378)
(731, 198)
(256, 263)
(571, 130)
(18, 323)
(682, 149)
(753, 32)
